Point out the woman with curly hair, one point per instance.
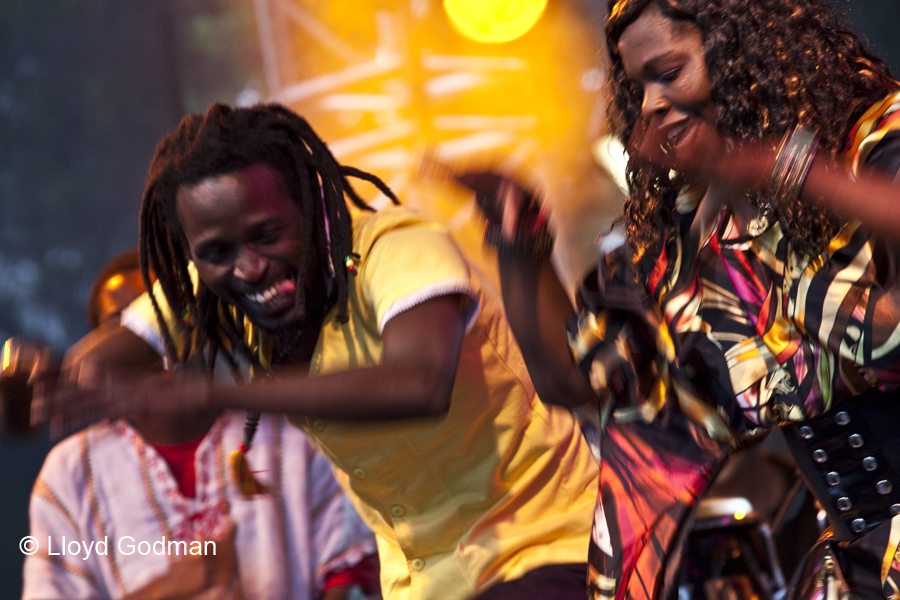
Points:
(756, 286)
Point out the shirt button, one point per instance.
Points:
(319, 425)
(417, 564)
(398, 511)
(359, 473)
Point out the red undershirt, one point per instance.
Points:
(180, 458)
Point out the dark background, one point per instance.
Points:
(87, 87)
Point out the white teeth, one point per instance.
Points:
(266, 296)
(678, 128)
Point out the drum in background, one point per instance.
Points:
(730, 555)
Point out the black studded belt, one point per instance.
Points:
(850, 459)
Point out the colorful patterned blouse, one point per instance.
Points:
(729, 336)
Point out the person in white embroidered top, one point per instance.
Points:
(149, 509)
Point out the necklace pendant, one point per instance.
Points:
(758, 225)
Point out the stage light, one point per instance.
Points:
(386, 81)
(494, 21)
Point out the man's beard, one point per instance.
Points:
(291, 340)
(295, 341)
(287, 335)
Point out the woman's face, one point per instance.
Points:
(665, 58)
(244, 233)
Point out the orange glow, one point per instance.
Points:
(494, 21)
(386, 82)
(115, 281)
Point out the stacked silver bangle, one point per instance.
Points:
(798, 149)
(533, 246)
(795, 156)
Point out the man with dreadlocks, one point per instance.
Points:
(376, 337)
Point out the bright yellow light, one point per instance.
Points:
(7, 351)
(739, 516)
(494, 21)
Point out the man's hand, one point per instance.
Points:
(209, 577)
(94, 392)
(29, 372)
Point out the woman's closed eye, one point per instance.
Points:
(669, 75)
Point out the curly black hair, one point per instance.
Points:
(222, 141)
(773, 65)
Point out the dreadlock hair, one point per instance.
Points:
(773, 65)
(222, 141)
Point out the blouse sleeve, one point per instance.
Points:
(885, 157)
(850, 295)
(57, 513)
(614, 336)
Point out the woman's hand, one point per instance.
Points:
(654, 142)
(707, 155)
(536, 304)
(509, 208)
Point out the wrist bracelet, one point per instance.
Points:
(795, 156)
(534, 247)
